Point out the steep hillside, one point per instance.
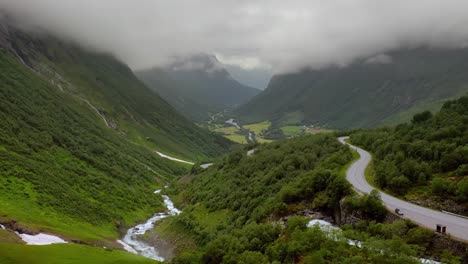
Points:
(197, 86)
(382, 89)
(425, 160)
(119, 99)
(62, 170)
(78, 134)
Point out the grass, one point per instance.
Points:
(7, 236)
(318, 131)
(27, 212)
(66, 254)
(263, 140)
(291, 131)
(181, 238)
(257, 128)
(291, 118)
(227, 130)
(237, 138)
(370, 173)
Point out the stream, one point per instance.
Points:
(131, 241)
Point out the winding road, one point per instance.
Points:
(457, 227)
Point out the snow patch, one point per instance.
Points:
(41, 239)
(2, 226)
(172, 158)
(206, 165)
(428, 261)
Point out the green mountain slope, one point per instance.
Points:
(425, 160)
(384, 89)
(116, 95)
(66, 254)
(78, 132)
(63, 171)
(198, 86)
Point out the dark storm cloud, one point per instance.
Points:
(286, 35)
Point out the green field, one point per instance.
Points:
(7, 236)
(314, 131)
(66, 254)
(291, 131)
(227, 130)
(263, 140)
(257, 128)
(237, 138)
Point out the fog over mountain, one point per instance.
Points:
(282, 35)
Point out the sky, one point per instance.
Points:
(277, 35)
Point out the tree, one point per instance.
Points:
(421, 117)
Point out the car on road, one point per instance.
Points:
(398, 212)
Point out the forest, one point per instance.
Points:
(427, 156)
(246, 209)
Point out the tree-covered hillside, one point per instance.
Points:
(426, 158)
(384, 89)
(243, 210)
(198, 86)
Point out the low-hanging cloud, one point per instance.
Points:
(286, 35)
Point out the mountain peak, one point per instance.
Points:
(199, 63)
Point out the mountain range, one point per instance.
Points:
(198, 86)
(383, 89)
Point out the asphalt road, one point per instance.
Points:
(456, 226)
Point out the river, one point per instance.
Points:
(132, 242)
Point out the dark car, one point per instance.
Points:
(398, 211)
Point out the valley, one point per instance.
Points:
(151, 132)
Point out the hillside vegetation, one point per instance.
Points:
(78, 134)
(233, 210)
(66, 254)
(62, 170)
(366, 93)
(110, 89)
(427, 157)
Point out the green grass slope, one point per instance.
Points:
(63, 172)
(66, 254)
(363, 94)
(130, 108)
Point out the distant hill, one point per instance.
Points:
(197, 86)
(257, 77)
(384, 89)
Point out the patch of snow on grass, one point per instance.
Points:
(41, 239)
(174, 159)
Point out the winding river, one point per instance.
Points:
(132, 242)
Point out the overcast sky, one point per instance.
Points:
(283, 35)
